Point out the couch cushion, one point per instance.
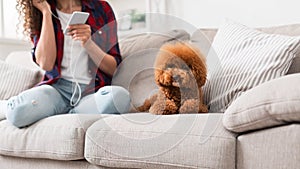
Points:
(15, 79)
(136, 72)
(244, 59)
(58, 137)
(142, 140)
(273, 103)
(274, 148)
(22, 59)
(149, 40)
(203, 38)
(7, 162)
(290, 30)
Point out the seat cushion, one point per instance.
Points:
(274, 148)
(7, 162)
(142, 140)
(58, 137)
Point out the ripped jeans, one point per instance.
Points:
(44, 101)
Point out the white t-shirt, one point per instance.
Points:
(75, 57)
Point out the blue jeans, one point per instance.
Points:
(44, 101)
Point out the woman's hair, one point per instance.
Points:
(30, 16)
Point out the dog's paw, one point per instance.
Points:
(203, 108)
(189, 106)
(168, 107)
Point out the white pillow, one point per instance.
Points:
(276, 102)
(241, 58)
(15, 79)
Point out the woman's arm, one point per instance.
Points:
(104, 61)
(45, 52)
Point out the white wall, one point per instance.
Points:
(123, 5)
(254, 13)
(204, 13)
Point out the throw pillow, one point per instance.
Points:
(241, 58)
(15, 79)
(276, 102)
(288, 29)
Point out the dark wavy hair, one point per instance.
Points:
(31, 16)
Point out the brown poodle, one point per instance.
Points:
(180, 72)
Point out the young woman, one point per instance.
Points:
(77, 64)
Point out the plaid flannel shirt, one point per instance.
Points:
(104, 34)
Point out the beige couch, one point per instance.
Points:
(141, 140)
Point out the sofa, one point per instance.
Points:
(256, 138)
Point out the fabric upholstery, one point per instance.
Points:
(153, 40)
(273, 103)
(15, 79)
(7, 162)
(143, 140)
(22, 58)
(274, 148)
(59, 137)
(243, 58)
(289, 30)
(203, 38)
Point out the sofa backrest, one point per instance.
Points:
(289, 30)
(149, 40)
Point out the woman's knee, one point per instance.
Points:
(16, 111)
(30, 106)
(112, 99)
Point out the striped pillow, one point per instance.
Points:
(15, 79)
(241, 58)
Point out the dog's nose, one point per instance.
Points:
(176, 77)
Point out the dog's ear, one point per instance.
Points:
(198, 66)
(200, 74)
(157, 75)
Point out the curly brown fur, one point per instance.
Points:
(180, 73)
(147, 103)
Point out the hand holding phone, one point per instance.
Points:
(77, 18)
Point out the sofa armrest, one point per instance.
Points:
(273, 103)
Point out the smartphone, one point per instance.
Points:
(77, 18)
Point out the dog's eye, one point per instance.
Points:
(185, 67)
(171, 65)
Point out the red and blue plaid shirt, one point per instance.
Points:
(104, 34)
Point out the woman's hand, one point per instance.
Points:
(80, 32)
(41, 5)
